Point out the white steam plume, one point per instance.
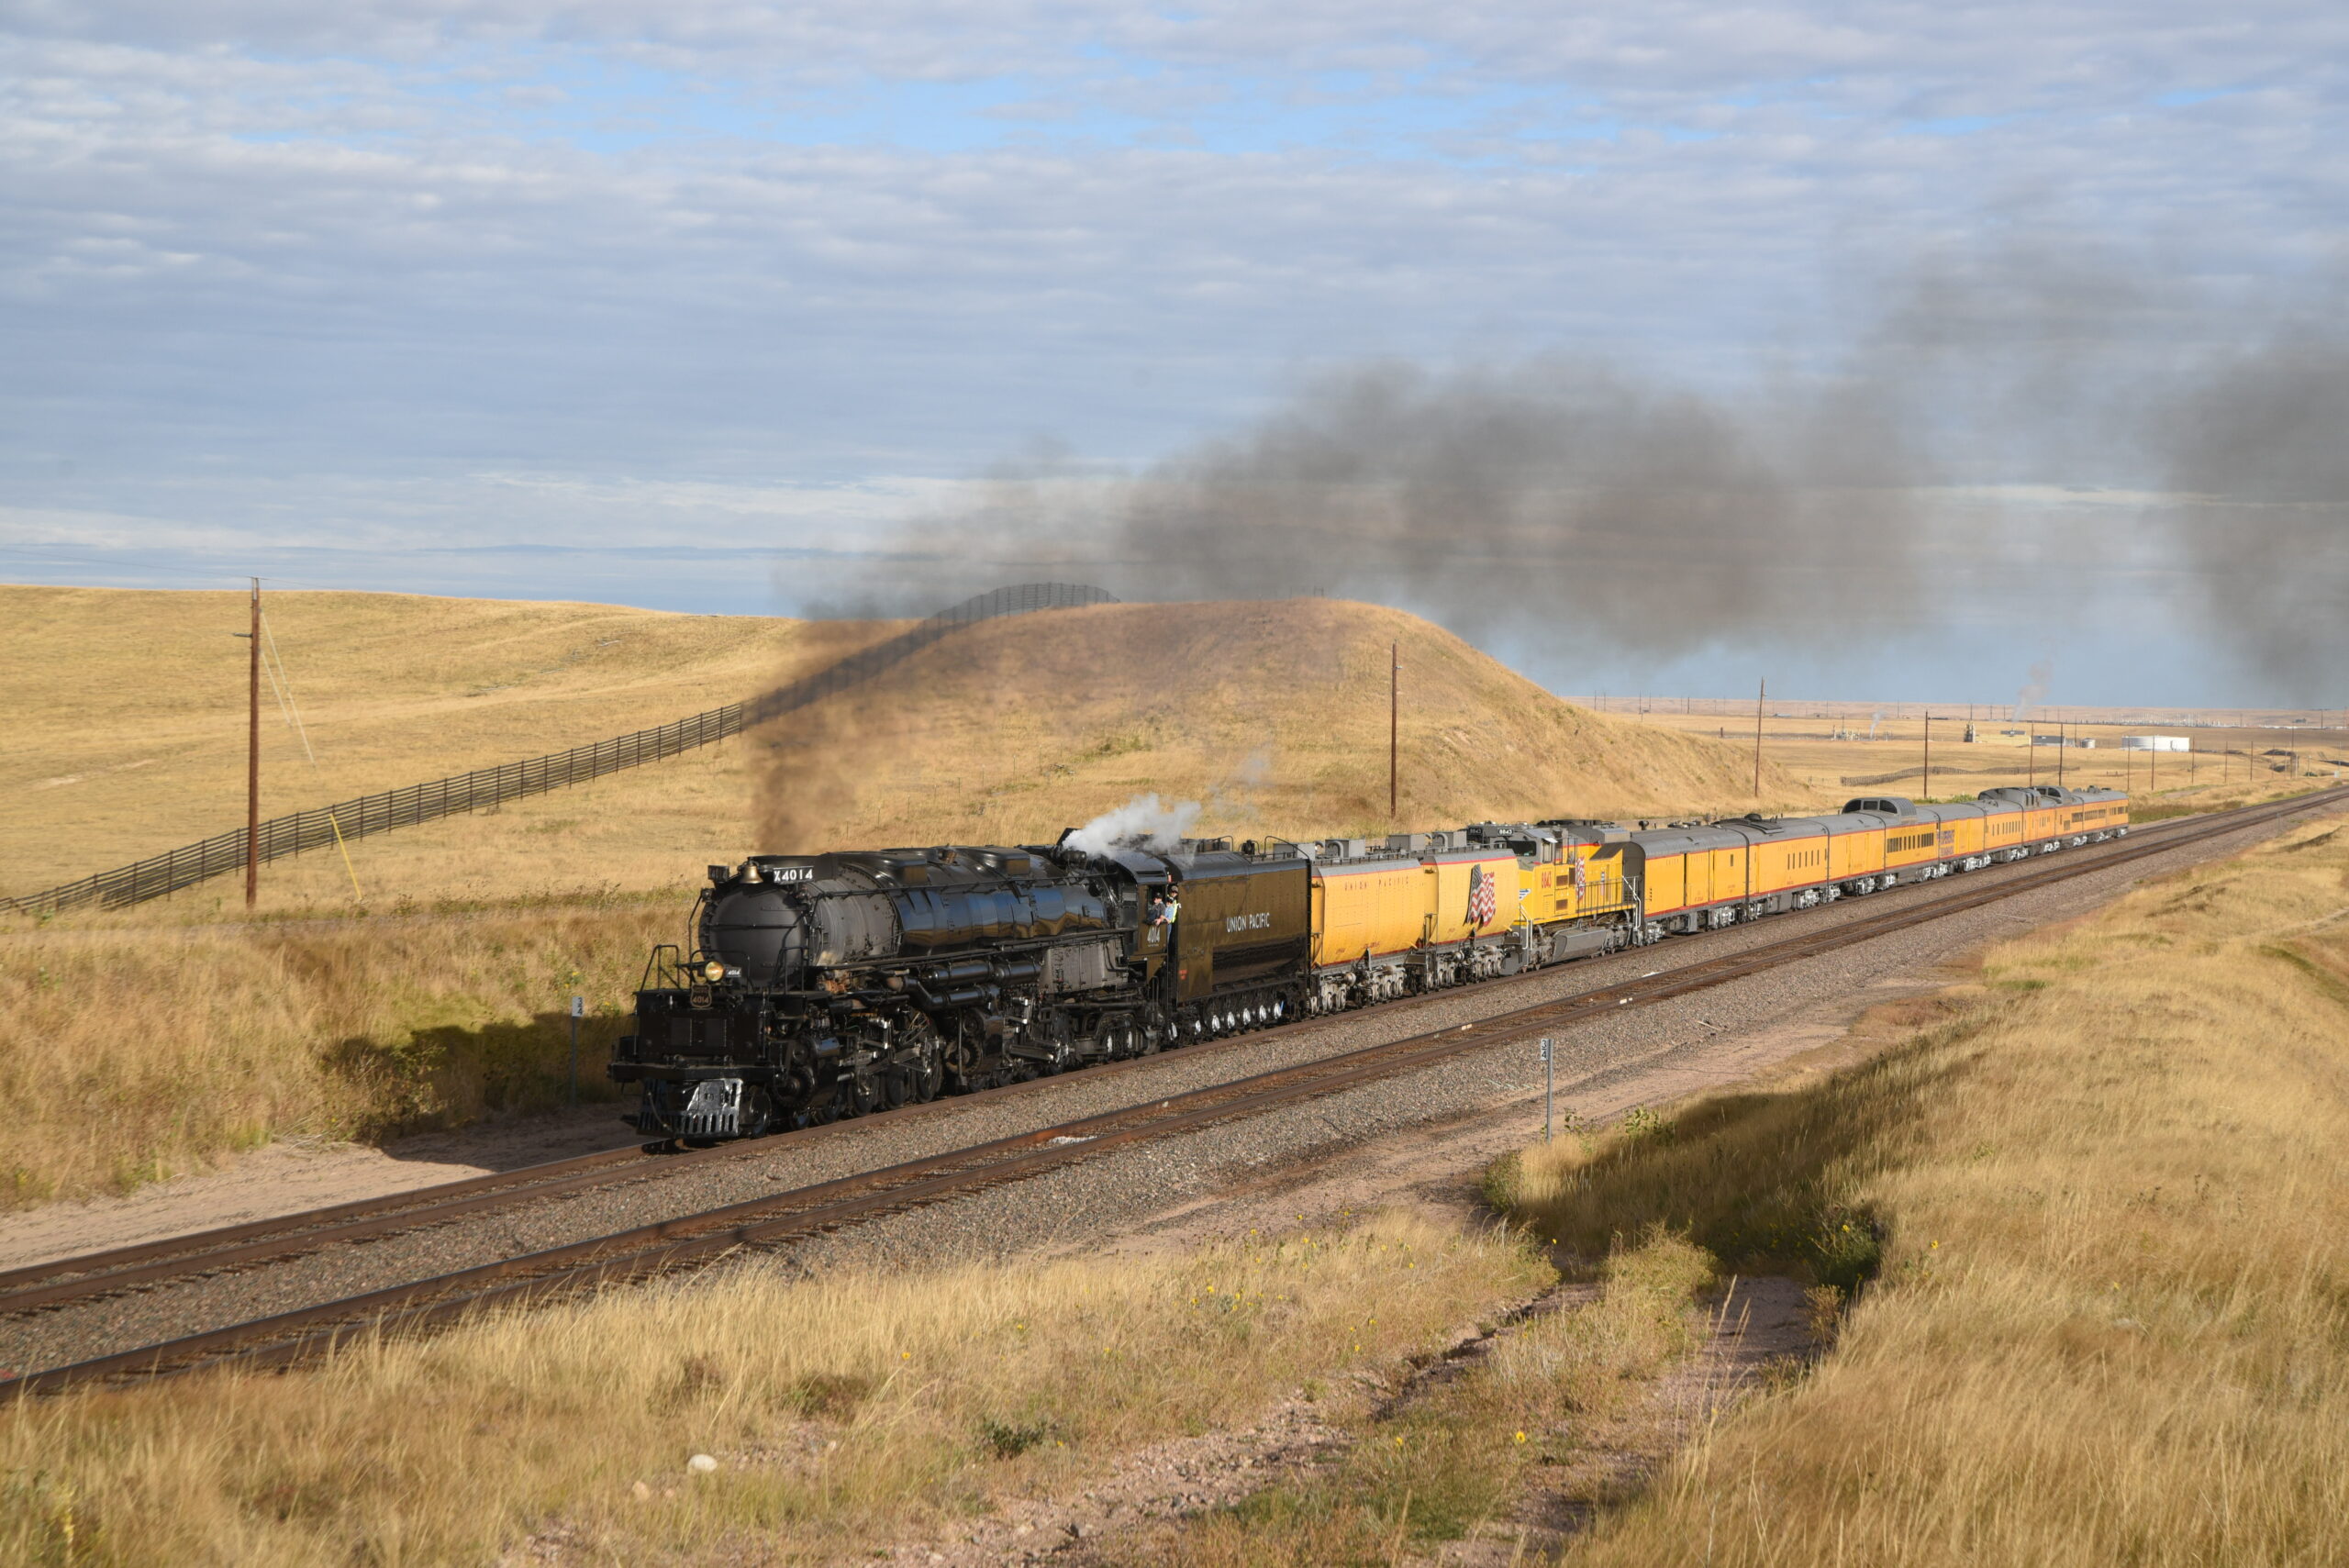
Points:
(1142, 823)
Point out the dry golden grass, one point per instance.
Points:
(845, 1412)
(126, 708)
(2102, 1213)
(132, 1055)
(1273, 714)
(1451, 1460)
(129, 709)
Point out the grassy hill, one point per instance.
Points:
(1273, 714)
(129, 734)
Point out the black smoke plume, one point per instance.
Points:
(2257, 449)
(1573, 504)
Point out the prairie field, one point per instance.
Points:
(135, 1055)
(1833, 752)
(1272, 717)
(844, 1413)
(421, 984)
(128, 712)
(392, 992)
(2083, 1237)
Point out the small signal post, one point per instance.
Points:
(1548, 1081)
(578, 1011)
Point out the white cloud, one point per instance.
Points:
(514, 274)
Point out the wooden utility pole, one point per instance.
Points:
(252, 758)
(1394, 722)
(1760, 695)
(1928, 789)
(2063, 744)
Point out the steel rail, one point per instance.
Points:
(781, 1219)
(57, 1282)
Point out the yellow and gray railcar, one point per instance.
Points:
(1702, 876)
(1420, 911)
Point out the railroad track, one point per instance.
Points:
(782, 1219)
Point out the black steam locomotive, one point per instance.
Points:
(827, 985)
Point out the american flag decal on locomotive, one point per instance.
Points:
(1481, 896)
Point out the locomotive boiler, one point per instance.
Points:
(823, 986)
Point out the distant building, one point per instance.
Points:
(2156, 743)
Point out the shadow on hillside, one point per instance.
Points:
(1763, 1180)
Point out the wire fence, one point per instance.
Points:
(371, 814)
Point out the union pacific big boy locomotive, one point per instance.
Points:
(825, 985)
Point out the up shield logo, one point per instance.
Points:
(1483, 897)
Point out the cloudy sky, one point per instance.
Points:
(739, 308)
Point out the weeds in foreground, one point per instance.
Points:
(855, 1407)
(130, 1056)
(1454, 1456)
(2109, 1318)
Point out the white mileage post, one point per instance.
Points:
(1548, 1078)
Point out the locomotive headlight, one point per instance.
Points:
(713, 971)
